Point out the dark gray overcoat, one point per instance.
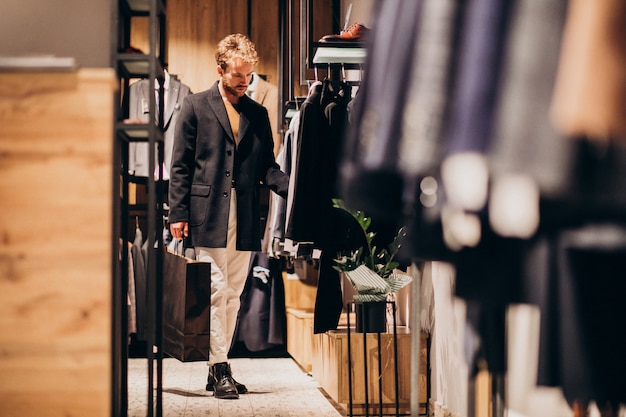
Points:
(206, 164)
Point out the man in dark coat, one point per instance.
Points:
(223, 151)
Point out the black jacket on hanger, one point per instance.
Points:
(313, 219)
(262, 320)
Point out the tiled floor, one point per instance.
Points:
(278, 388)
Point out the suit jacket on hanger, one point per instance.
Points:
(266, 93)
(139, 108)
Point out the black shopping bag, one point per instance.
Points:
(186, 307)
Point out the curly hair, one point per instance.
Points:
(236, 46)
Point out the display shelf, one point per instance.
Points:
(141, 7)
(134, 65)
(37, 63)
(131, 63)
(137, 132)
(348, 54)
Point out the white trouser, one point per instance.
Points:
(229, 270)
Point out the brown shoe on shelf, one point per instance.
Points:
(355, 33)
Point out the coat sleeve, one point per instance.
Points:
(183, 155)
(274, 178)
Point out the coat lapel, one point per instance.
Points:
(172, 99)
(217, 105)
(261, 92)
(144, 99)
(244, 121)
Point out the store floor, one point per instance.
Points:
(278, 387)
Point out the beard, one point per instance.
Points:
(237, 91)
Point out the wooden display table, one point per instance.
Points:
(300, 336)
(330, 369)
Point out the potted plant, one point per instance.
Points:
(372, 273)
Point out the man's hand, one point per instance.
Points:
(179, 229)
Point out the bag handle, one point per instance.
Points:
(177, 246)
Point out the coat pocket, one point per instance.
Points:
(199, 204)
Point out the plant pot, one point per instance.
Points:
(371, 317)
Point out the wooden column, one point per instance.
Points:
(56, 242)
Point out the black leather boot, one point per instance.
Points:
(223, 384)
(210, 381)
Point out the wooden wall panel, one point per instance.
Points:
(322, 25)
(56, 243)
(264, 34)
(195, 26)
(190, 43)
(139, 34)
(194, 29)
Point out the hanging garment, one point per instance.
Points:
(274, 238)
(523, 142)
(141, 294)
(262, 319)
(576, 277)
(480, 52)
(369, 178)
(524, 139)
(132, 295)
(303, 215)
(323, 120)
(139, 96)
(579, 179)
(266, 93)
(490, 274)
(465, 132)
(312, 221)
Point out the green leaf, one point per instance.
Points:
(381, 261)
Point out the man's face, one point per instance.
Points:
(236, 77)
